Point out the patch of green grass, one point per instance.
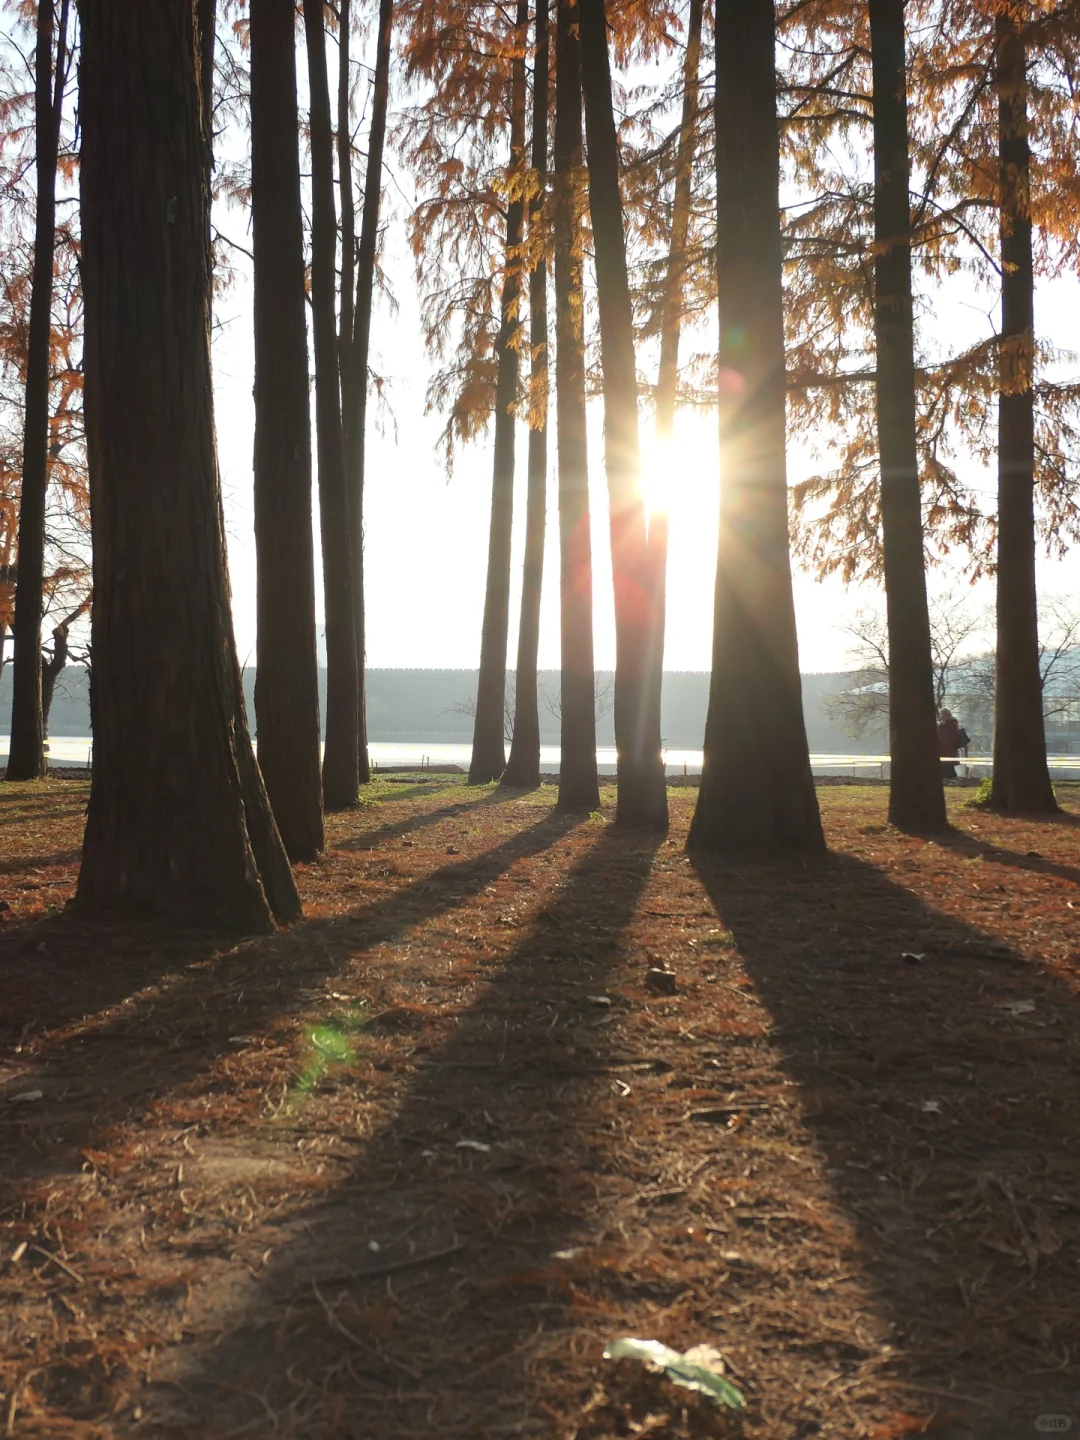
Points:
(981, 799)
(717, 939)
(329, 1047)
(382, 789)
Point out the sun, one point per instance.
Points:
(679, 474)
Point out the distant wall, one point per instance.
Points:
(70, 713)
(418, 706)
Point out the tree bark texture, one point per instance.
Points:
(579, 788)
(1021, 777)
(356, 434)
(642, 789)
(757, 791)
(340, 764)
(287, 676)
(26, 759)
(179, 825)
(916, 796)
(523, 766)
(488, 748)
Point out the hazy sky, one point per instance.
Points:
(426, 549)
(426, 535)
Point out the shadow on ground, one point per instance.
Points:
(946, 1095)
(964, 843)
(500, 1121)
(172, 1000)
(423, 819)
(451, 1262)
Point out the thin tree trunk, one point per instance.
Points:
(287, 671)
(916, 796)
(348, 219)
(178, 824)
(340, 773)
(579, 789)
(667, 380)
(489, 746)
(1021, 778)
(51, 670)
(7, 589)
(361, 351)
(523, 766)
(757, 791)
(642, 796)
(54, 666)
(26, 760)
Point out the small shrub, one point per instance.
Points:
(981, 799)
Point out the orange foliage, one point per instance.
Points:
(67, 578)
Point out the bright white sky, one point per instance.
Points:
(426, 536)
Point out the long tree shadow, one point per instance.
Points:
(46, 982)
(371, 839)
(945, 1092)
(472, 1198)
(39, 862)
(168, 1015)
(965, 843)
(60, 971)
(16, 814)
(1070, 819)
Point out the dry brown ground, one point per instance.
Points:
(402, 1170)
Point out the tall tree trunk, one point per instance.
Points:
(26, 760)
(1021, 779)
(348, 219)
(523, 766)
(667, 380)
(179, 824)
(287, 672)
(361, 350)
(206, 31)
(340, 771)
(757, 791)
(916, 796)
(642, 788)
(488, 747)
(579, 789)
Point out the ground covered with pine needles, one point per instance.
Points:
(520, 1084)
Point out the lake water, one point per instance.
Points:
(75, 750)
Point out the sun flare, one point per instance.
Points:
(678, 474)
